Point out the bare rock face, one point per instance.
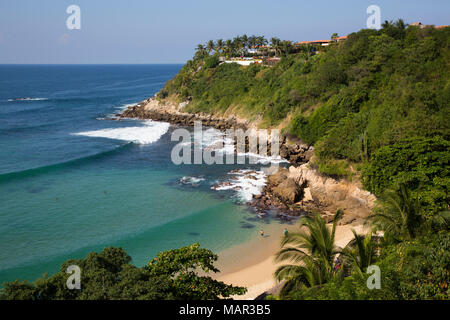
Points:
(307, 196)
(288, 191)
(278, 177)
(332, 194)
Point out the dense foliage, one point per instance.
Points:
(310, 254)
(422, 164)
(391, 83)
(108, 275)
(372, 90)
(418, 269)
(412, 255)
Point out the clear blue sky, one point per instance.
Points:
(167, 31)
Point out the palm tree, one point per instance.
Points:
(311, 252)
(360, 252)
(400, 24)
(244, 40)
(237, 44)
(275, 44)
(397, 214)
(285, 47)
(219, 45)
(229, 47)
(387, 24)
(200, 51)
(252, 41)
(210, 46)
(261, 41)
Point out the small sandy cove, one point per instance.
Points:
(252, 264)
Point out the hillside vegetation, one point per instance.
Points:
(364, 103)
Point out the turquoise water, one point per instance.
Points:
(64, 194)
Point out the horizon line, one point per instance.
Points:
(86, 64)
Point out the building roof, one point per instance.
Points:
(320, 41)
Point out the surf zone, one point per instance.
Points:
(212, 146)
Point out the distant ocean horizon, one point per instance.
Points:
(74, 181)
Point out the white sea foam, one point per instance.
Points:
(125, 107)
(213, 139)
(191, 180)
(121, 109)
(246, 183)
(28, 99)
(151, 131)
(259, 159)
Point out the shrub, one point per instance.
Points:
(422, 164)
(335, 168)
(211, 62)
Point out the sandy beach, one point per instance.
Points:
(255, 267)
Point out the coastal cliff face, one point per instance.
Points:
(330, 194)
(295, 191)
(301, 189)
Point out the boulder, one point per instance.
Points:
(284, 152)
(278, 177)
(288, 191)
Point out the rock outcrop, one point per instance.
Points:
(288, 191)
(281, 192)
(329, 194)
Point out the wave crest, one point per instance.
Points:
(70, 163)
(151, 132)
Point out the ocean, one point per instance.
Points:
(74, 181)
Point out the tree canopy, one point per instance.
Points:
(109, 275)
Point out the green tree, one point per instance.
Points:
(397, 214)
(220, 46)
(360, 252)
(182, 265)
(229, 47)
(275, 43)
(210, 46)
(108, 275)
(200, 52)
(311, 251)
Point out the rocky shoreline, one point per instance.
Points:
(301, 190)
(293, 192)
(291, 149)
